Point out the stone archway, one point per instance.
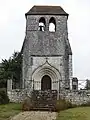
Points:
(42, 71)
(46, 83)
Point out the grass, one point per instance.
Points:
(79, 113)
(9, 110)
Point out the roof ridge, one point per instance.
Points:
(46, 10)
(48, 5)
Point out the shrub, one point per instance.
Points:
(85, 104)
(27, 104)
(3, 96)
(62, 104)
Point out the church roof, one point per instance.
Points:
(46, 10)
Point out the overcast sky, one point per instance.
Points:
(12, 29)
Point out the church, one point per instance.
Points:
(47, 61)
(47, 55)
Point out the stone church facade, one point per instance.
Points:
(47, 58)
(47, 55)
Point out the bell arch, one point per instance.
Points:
(42, 24)
(52, 24)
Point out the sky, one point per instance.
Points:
(13, 22)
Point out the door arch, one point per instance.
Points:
(46, 83)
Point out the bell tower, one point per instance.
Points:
(46, 50)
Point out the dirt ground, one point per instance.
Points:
(35, 115)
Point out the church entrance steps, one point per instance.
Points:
(44, 100)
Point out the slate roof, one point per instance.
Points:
(46, 10)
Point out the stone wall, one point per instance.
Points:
(75, 97)
(70, 71)
(17, 95)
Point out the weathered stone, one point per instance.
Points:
(45, 53)
(75, 97)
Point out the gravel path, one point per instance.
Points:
(35, 115)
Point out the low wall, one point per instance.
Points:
(17, 95)
(44, 99)
(75, 97)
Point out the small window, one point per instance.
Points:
(42, 24)
(52, 25)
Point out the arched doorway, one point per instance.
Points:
(46, 83)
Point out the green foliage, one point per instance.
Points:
(7, 111)
(3, 96)
(62, 104)
(79, 113)
(11, 69)
(87, 104)
(27, 104)
(3, 83)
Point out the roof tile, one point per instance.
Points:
(46, 10)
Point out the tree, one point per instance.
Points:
(11, 68)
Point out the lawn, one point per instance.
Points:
(80, 113)
(9, 110)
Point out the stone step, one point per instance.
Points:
(44, 109)
(44, 99)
